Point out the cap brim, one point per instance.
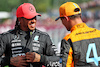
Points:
(30, 16)
(57, 19)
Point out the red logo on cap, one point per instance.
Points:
(31, 9)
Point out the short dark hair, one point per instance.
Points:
(75, 16)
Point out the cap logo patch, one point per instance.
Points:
(31, 9)
(77, 10)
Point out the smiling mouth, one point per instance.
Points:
(32, 25)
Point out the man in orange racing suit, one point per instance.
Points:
(81, 48)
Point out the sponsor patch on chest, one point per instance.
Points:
(36, 46)
(16, 44)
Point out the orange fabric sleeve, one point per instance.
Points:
(70, 62)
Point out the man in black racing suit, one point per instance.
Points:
(25, 46)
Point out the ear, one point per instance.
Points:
(67, 18)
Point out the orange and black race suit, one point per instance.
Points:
(81, 48)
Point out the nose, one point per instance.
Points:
(32, 22)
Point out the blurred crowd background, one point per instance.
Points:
(49, 9)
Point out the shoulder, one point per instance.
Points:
(43, 36)
(67, 36)
(41, 32)
(8, 33)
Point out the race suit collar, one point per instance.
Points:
(22, 32)
(81, 25)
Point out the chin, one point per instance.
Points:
(68, 29)
(32, 29)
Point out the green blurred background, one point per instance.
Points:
(41, 5)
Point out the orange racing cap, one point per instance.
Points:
(68, 9)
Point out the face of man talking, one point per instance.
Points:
(28, 24)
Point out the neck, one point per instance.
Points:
(75, 21)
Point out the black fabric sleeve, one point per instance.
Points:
(65, 47)
(3, 60)
(2, 49)
(50, 58)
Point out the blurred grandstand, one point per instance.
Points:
(47, 23)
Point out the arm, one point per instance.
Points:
(2, 50)
(50, 57)
(66, 54)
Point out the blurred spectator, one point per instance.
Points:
(97, 14)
